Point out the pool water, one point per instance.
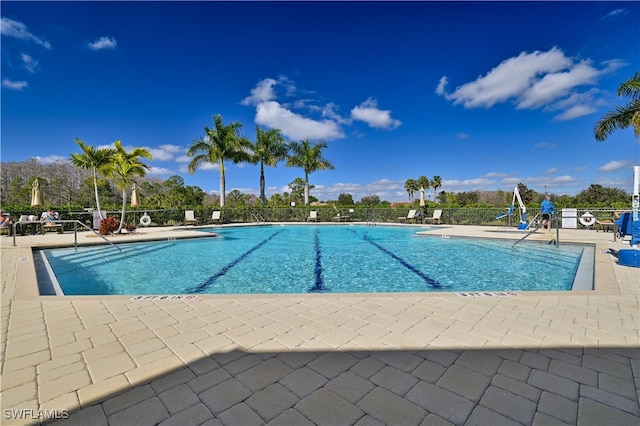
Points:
(315, 259)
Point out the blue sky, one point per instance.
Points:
(483, 94)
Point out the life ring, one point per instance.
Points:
(145, 220)
(587, 219)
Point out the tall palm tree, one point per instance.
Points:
(95, 160)
(124, 167)
(411, 185)
(436, 183)
(308, 156)
(623, 116)
(219, 144)
(269, 149)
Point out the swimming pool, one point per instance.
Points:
(314, 259)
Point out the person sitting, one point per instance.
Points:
(50, 217)
(6, 221)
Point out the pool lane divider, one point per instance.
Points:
(433, 283)
(318, 287)
(202, 287)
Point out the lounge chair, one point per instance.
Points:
(410, 216)
(313, 216)
(190, 217)
(215, 217)
(436, 218)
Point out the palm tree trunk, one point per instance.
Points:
(124, 207)
(222, 182)
(306, 188)
(263, 198)
(95, 188)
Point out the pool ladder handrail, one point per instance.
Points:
(258, 219)
(75, 230)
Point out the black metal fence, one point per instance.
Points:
(453, 216)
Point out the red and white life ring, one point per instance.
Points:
(587, 219)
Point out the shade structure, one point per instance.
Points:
(135, 198)
(37, 199)
(421, 197)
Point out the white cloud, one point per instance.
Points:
(263, 92)
(614, 166)
(614, 14)
(549, 80)
(545, 145)
(103, 43)
(553, 170)
(368, 112)
(159, 171)
(11, 28)
(165, 152)
(30, 64)
(50, 159)
(14, 85)
(293, 125)
(462, 135)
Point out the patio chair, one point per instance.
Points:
(215, 217)
(410, 216)
(190, 217)
(313, 216)
(436, 218)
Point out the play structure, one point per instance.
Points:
(630, 225)
(522, 223)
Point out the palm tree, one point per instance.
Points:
(411, 185)
(435, 184)
(219, 144)
(308, 156)
(269, 148)
(623, 116)
(94, 160)
(123, 169)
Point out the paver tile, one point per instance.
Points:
(438, 401)
(558, 407)
(594, 413)
(482, 416)
(331, 364)
(289, 418)
(264, 374)
(326, 408)
(611, 399)
(270, 402)
(303, 381)
(394, 380)
(225, 395)
(549, 382)
(148, 412)
(239, 414)
(196, 415)
(178, 398)
(127, 399)
(508, 404)
(389, 408)
(350, 386)
(464, 382)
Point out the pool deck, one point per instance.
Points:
(362, 359)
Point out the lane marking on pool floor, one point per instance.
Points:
(318, 287)
(202, 287)
(433, 283)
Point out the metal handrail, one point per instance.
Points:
(258, 218)
(75, 230)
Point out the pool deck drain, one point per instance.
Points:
(530, 358)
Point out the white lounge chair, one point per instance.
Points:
(436, 218)
(313, 216)
(215, 217)
(410, 216)
(190, 217)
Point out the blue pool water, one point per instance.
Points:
(308, 259)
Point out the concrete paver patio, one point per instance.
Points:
(408, 358)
